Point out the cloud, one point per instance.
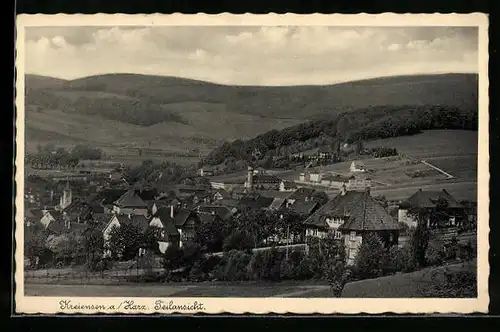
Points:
(284, 55)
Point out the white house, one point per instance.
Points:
(357, 166)
(314, 177)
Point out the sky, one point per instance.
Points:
(253, 55)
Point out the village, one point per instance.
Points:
(98, 221)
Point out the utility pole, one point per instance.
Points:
(287, 239)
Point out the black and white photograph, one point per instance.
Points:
(284, 161)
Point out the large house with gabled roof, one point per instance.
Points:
(427, 201)
(350, 216)
(130, 203)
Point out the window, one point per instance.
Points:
(338, 235)
(352, 236)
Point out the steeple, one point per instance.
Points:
(66, 197)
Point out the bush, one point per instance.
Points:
(371, 257)
(234, 266)
(435, 253)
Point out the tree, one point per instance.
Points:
(125, 241)
(370, 258)
(93, 247)
(334, 264)
(419, 241)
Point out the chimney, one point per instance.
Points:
(172, 211)
(343, 191)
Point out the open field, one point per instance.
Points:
(411, 285)
(407, 285)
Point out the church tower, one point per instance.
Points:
(249, 182)
(66, 197)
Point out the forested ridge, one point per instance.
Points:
(347, 127)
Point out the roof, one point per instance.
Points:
(265, 179)
(358, 163)
(277, 203)
(336, 177)
(147, 194)
(181, 216)
(206, 218)
(131, 199)
(273, 193)
(289, 185)
(33, 214)
(428, 199)
(301, 193)
(55, 214)
(168, 223)
(102, 220)
(228, 202)
(78, 208)
(108, 196)
(223, 212)
(223, 193)
(304, 207)
(360, 209)
(259, 202)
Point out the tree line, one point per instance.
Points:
(49, 156)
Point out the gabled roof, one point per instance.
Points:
(223, 193)
(289, 185)
(273, 193)
(277, 203)
(428, 199)
(33, 214)
(358, 208)
(182, 215)
(102, 220)
(55, 214)
(206, 218)
(228, 202)
(223, 212)
(259, 202)
(168, 223)
(130, 199)
(304, 207)
(301, 193)
(108, 196)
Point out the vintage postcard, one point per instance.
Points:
(328, 164)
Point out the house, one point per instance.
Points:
(334, 180)
(302, 177)
(449, 213)
(206, 171)
(107, 222)
(287, 186)
(130, 203)
(278, 203)
(301, 194)
(50, 216)
(183, 220)
(256, 202)
(325, 152)
(106, 197)
(220, 194)
(261, 181)
(350, 216)
(202, 197)
(304, 208)
(357, 166)
(315, 177)
(78, 212)
(169, 235)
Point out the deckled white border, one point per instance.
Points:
(50, 305)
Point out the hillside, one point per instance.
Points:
(176, 113)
